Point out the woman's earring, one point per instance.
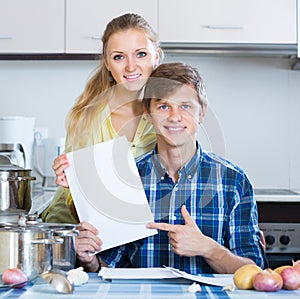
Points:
(110, 78)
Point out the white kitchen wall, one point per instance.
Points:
(255, 100)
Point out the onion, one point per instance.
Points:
(267, 281)
(296, 265)
(281, 268)
(291, 279)
(243, 276)
(14, 276)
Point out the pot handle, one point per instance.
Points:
(66, 233)
(21, 178)
(47, 241)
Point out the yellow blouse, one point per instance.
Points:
(62, 209)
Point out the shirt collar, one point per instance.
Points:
(189, 169)
(158, 167)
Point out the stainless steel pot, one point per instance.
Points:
(28, 247)
(15, 188)
(64, 256)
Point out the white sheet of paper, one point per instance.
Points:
(161, 273)
(217, 280)
(136, 273)
(108, 192)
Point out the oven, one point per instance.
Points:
(279, 219)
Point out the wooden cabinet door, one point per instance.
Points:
(31, 26)
(228, 21)
(87, 19)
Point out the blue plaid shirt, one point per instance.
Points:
(219, 197)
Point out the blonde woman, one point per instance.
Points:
(110, 105)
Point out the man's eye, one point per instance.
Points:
(163, 107)
(142, 54)
(118, 57)
(186, 107)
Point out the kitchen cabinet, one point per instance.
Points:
(32, 26)
(61, 27)
(86, 20)
(228, 21)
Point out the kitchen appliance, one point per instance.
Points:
(12, 154)
(16, 140)
(46, 150)
(279, 219)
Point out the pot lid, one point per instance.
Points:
(58, 226)
(15, 227)
(31, 222)
(12, 168)
(11, 212)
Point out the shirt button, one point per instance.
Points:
(175, 189)
(162, 177)
(174, 217)
(133, 145)
(189, 176)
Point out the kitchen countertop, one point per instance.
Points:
(277, 195)
(96, 288)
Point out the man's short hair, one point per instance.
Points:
(168, 77)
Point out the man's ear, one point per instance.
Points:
(202, 114)
(148, 116)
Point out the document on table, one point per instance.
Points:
(136, 273)
(163, 273)
(107, 192)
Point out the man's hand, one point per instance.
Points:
(186, 240)
(87, 242)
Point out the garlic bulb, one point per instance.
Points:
(78, 276)
(194, 288)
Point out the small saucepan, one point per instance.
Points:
(15, 188)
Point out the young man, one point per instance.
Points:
(203, 205)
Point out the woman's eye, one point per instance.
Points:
(118, 57)
(142, 54)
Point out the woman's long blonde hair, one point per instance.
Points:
(82, 122)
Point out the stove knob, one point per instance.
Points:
(284, 239)
(269, 239)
